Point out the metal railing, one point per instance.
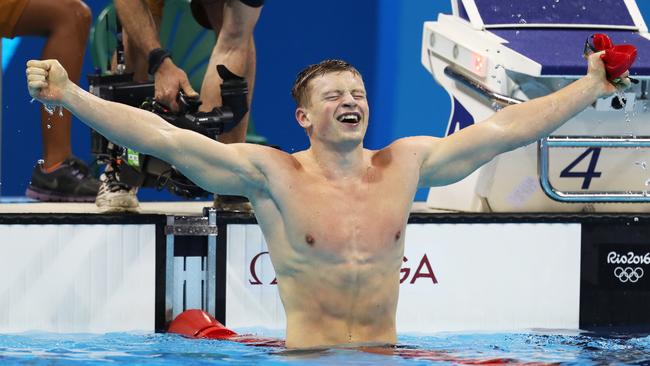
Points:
(589, 142)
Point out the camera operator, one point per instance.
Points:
(233, 22)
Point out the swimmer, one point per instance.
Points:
(333, 215)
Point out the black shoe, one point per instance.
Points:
(70, 182)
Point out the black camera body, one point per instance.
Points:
(141, 170)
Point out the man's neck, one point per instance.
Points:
(338, 162)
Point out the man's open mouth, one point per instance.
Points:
(351, 117)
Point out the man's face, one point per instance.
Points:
(337, 111)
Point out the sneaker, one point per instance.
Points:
(70, 182)
(116, 196)
(232, 204)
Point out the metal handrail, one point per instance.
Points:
(588, 141)
(563, 142)
(480, 89)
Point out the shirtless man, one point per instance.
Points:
(333, 215)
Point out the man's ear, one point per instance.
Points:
(302, 117)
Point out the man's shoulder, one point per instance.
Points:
(412, 144)
(270, 157)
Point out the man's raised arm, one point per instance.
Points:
(452, 158)
(216, 167)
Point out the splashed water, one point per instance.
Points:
(621, 96)
(40, 162)
(50, 109)
(647, 182)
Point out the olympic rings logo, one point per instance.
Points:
(628, 274)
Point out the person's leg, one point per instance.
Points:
(234, 23)
(65, 24)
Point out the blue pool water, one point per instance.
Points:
(448, 348)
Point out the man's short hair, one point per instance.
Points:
(300, 90)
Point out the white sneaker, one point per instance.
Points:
(115, 196)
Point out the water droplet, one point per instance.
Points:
(60, 111)
(40, 162)
(518, 15)
(557, 1)
(642, 164)
(49, 126)
(584, 7)
(517, 33)
(33, 100)
(543, 7)
(647, 182)
(523, 21)
(49, 108)
(496, 106)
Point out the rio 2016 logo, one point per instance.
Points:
(629, 273)
(423, 271)
(627, 258)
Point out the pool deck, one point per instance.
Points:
(187, 208)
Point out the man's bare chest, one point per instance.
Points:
(345, 221)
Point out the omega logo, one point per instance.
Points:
(256, 280)
(423, 271)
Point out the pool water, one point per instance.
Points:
(445, 349)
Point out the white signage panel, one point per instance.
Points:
(77, 278)
(490, 277)
(455, 277)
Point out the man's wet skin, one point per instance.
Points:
(336, 245)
